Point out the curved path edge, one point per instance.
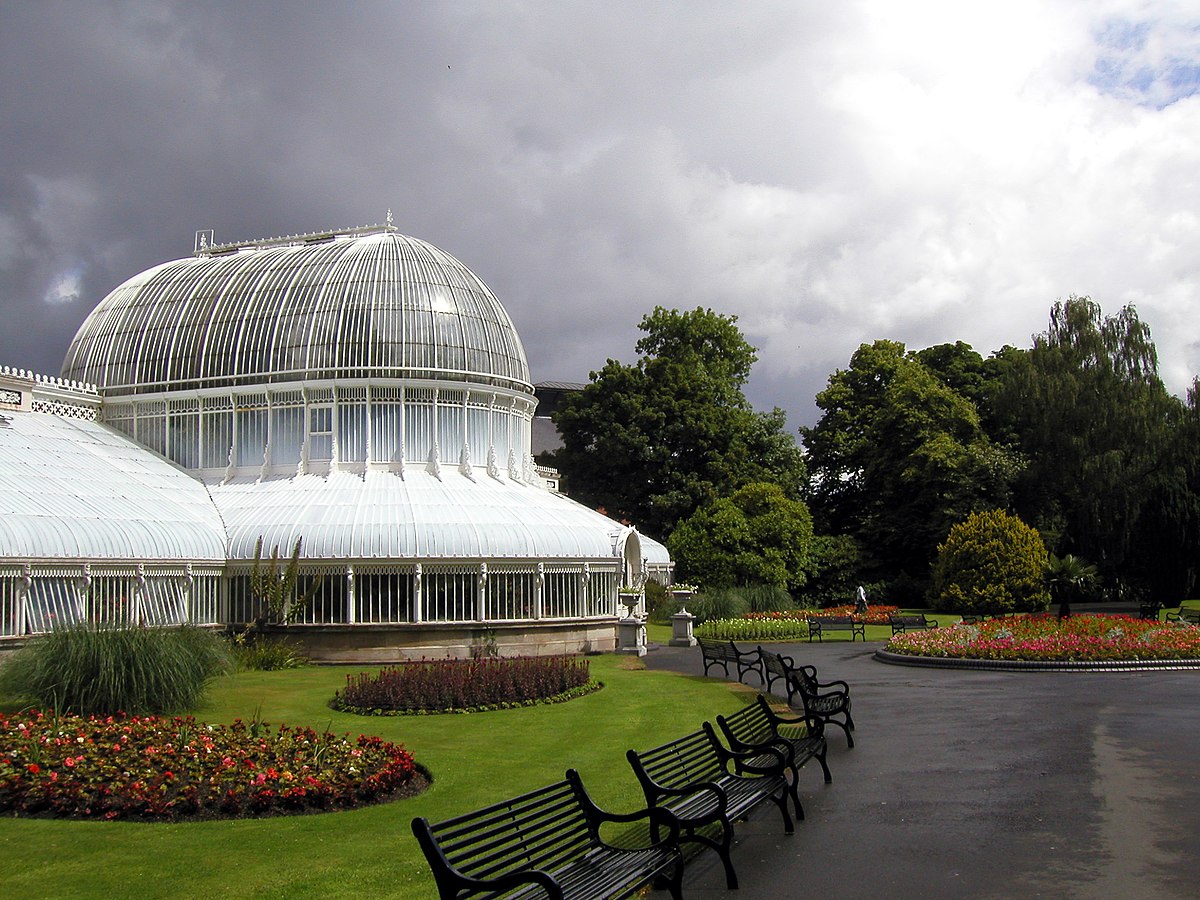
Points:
(1022, 665)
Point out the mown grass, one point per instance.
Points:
(475, 759)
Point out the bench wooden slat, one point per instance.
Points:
(694, 778)
(817, 626)
(722, 653)
(829, 701)
(757, 725)
(910, 622)
(547, 841)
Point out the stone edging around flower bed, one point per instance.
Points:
(1023, 665)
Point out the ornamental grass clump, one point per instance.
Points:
(461, 685)
(96, 670)
(1092, 638)
(171, 769)
(263, 654)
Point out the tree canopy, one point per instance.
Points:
(653, 441)
(756, 536)
(1102, 437)
(1077, 435)
(898, 457)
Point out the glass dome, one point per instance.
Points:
(364, 304)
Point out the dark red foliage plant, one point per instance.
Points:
(465, 684)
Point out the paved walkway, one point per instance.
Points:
(982, 785)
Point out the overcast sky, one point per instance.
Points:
(830, 172)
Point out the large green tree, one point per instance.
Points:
(653, 441)
(1111, 468)
(756, 536)
(899, 455)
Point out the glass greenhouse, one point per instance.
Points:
(360, 392)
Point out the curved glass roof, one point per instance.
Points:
(71, 489)
(383, 516)
(371, 303)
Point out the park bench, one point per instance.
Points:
(827, 701)
(1149, 610)
(1185, 614)
(694, 779)
(547, 843)
(756, 727)
(773, 667)
(722, 653)
(910, 622)
(818, 626)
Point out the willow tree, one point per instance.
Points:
(1102, 436)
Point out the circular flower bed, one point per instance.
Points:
(168, 769)
(1046, 638)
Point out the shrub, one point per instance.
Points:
(765, 629)
(267, 654)
(833, 570)
(991, 563)
(464, 684)
(89, 670)
(757, 535)
(660, 605)
(170, 769)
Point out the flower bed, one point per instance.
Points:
(1084, 638)
(756, 627)
(168, 769)
(465, 685)
(876, 615)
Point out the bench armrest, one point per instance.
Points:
(742, 758)
(451, 881)
(655, 791)
(814, 725)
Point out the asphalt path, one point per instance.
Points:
(981, 784)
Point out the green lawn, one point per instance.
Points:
(475, 759)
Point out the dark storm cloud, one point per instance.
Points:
(830, 173)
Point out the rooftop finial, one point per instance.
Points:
(204, 241)
(390, 226)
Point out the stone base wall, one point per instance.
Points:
(378, 644)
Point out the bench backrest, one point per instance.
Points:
(750, 724)
(775, 663)
(542, 829)
(680, 763)
(907, 620)
(709, 647)
(805, 680)
(834, 620)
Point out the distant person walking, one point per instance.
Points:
(860, 601)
